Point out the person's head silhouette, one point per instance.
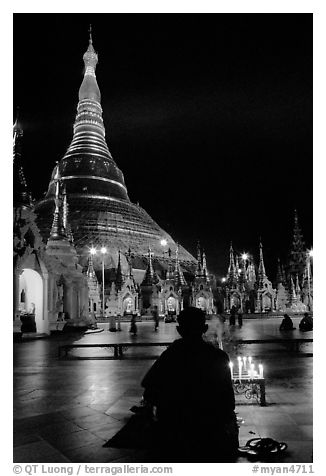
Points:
(192, 322)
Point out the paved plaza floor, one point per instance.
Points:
(65, 409)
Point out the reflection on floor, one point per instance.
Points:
(64, 410)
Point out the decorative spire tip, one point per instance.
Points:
(90, 34)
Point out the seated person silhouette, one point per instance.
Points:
(287, 324)
(306, 323)
(190, 386)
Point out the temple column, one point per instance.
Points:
(77, 300)
(51, 300)
(85, 298)
(45, 314)
(67, 298)
(16, 296)
(16, 313)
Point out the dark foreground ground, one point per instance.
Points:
(64, 410)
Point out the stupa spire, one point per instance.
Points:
(57, 230)
(178, 274)
(169, 273)
(205, 270)
(90, 268)
(18, 131)
(22, 195)
(89, 88)
(88, 166)
(119, 276)
(231, 275)
(150, 277)
(199, 270)
(90, 34)
(261, 267)
(99, 205)
(297, 258)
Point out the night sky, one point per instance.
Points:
(209, 117)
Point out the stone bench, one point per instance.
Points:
(292, 344)
(118, 348)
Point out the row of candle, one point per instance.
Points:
(245, 365)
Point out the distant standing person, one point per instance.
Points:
(287, 324)
(232, 315)
(306, 323)
(112, 324)
(156, 318)
(239, 317)
(219, 332)
(133, 326)
(119, 322)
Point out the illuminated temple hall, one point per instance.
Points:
(85, 250)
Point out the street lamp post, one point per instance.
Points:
(103, 251)
(92, 252)
(223, 281)
(309, 256)
(244, 258)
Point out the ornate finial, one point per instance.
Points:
(198, 252)
(17, 130)
(260, 250)
(205, 270)
(178, 274)
(150, 277)
(231, 274)
(57, 180)
(295, 216)
(89, 88)
(57, 175)
(57, 230)
(90, 269)
(261, 267)
(17, 116)
(90, 34)
(199, 270)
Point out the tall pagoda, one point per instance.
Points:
(298, 253)
(22, 195)
(100, 211)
